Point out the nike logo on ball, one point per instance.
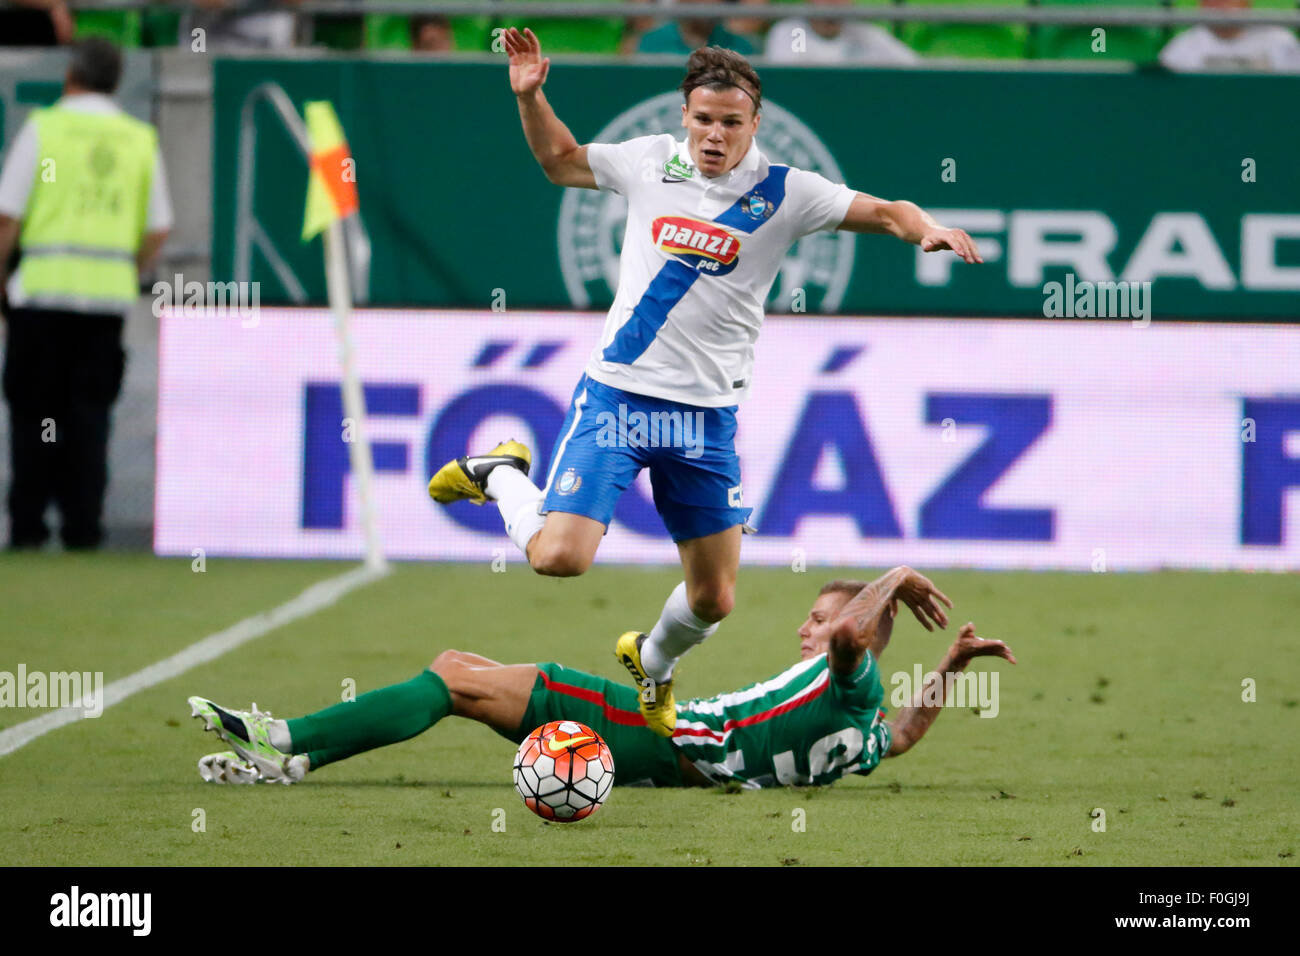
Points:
(565, 744)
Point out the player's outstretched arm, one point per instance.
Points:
(915, 719)
(909, 222)
(553, 146)
(867, 620)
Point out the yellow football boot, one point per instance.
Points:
(656, 697)
(465, 478)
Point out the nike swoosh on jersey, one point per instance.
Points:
(565, 744)
(667, 180)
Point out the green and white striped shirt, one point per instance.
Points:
(804, 726)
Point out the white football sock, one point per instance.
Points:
(278, 733)
(518, 498)
(677, 631)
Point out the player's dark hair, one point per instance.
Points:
(842, 586)
(96, 65)
(720, 70)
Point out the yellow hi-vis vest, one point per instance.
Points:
(87, 212)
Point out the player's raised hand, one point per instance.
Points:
(969, 645)
(919, 593)
(955, 239)
(527, 68)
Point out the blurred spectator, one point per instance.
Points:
(751, 27)
(36, 23)
(430, 34)
(261, 24)
(813, 40)
(685, 36)
(637, 27)
(1264, 49)
(417, 32)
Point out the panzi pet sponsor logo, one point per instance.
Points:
(705, 245)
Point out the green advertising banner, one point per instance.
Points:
(1066, 179)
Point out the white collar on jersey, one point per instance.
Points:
(89, 102)
(746, 165)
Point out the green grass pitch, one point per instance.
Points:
(1128, 698)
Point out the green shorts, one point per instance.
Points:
(641, 757)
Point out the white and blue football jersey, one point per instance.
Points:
(699, 258)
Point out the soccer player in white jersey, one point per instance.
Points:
(709, 222)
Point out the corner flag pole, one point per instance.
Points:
(331, 196)
(354, 401)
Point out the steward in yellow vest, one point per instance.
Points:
(83, 197)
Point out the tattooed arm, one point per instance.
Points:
(867, 620)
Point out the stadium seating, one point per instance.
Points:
(390, 31)
(474, 34)
(1258, 4)
(337, 32)
(808, 11)
(120, 26)
(597, 35)
(983, 40)
(1137, 44)
(150, 27)
(159, 27)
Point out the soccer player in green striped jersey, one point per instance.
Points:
(811, 724)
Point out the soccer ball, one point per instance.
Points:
(563, 770)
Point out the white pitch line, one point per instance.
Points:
(317, 597)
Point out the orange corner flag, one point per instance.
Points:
(332, 186)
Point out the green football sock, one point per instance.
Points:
(375, 719)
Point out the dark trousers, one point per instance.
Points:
(62, 373)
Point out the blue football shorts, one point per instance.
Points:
(609, 435)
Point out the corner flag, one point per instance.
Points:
(332, 184)
(331, 197)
